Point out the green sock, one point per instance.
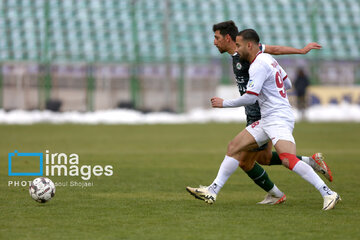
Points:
(275, 159)
(260, 177)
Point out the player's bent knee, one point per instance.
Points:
(232, 149)
(246, 165)
(264, 160)
(263, 157)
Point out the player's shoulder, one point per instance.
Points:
(261, 61)
(264, 60)
(264, 57)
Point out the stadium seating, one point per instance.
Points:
(104, 53)
(128, 30)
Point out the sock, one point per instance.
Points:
(307, 160)
(227, 168)
(307, 173)
(260, 177)
(276, 192)
(275, 159)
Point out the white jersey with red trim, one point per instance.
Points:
(267, 82)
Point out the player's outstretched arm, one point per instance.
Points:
(217, 102)
(244, 100)
(281, 50)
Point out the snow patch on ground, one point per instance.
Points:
(330, 113)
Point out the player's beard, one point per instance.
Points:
(244, 56)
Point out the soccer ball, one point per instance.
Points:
(42, 189)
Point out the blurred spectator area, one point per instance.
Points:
(113, 30)
(24, 88)
(159, 54)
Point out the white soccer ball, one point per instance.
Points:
(42, 189)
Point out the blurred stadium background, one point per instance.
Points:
(88, 58)
(155, 55)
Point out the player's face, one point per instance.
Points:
(220, 42)
(241, 48)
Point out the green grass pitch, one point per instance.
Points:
(146, 198)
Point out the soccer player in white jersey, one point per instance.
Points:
(224, 39)
(267, 86)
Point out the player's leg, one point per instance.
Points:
(247, 159)
(209, 193)
(268, 157)
(263, 156)
(234, 156)
(287, 149)
(241, 142)
(244, 141)
(256, 132)
(247, 162)
(260, 177)
(238, 154)
(316, 161)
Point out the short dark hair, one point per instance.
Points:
(249, 35)
(225, 28)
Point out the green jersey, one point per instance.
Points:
(241, 71)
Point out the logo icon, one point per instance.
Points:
(251, 83)
(238, 66)
(11, 156)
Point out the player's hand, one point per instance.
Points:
(217, 102)
(311, 46)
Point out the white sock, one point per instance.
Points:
(227, 168)
(276, 192)
(307, 160)
(307, 173)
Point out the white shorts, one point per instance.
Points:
(275, 130)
